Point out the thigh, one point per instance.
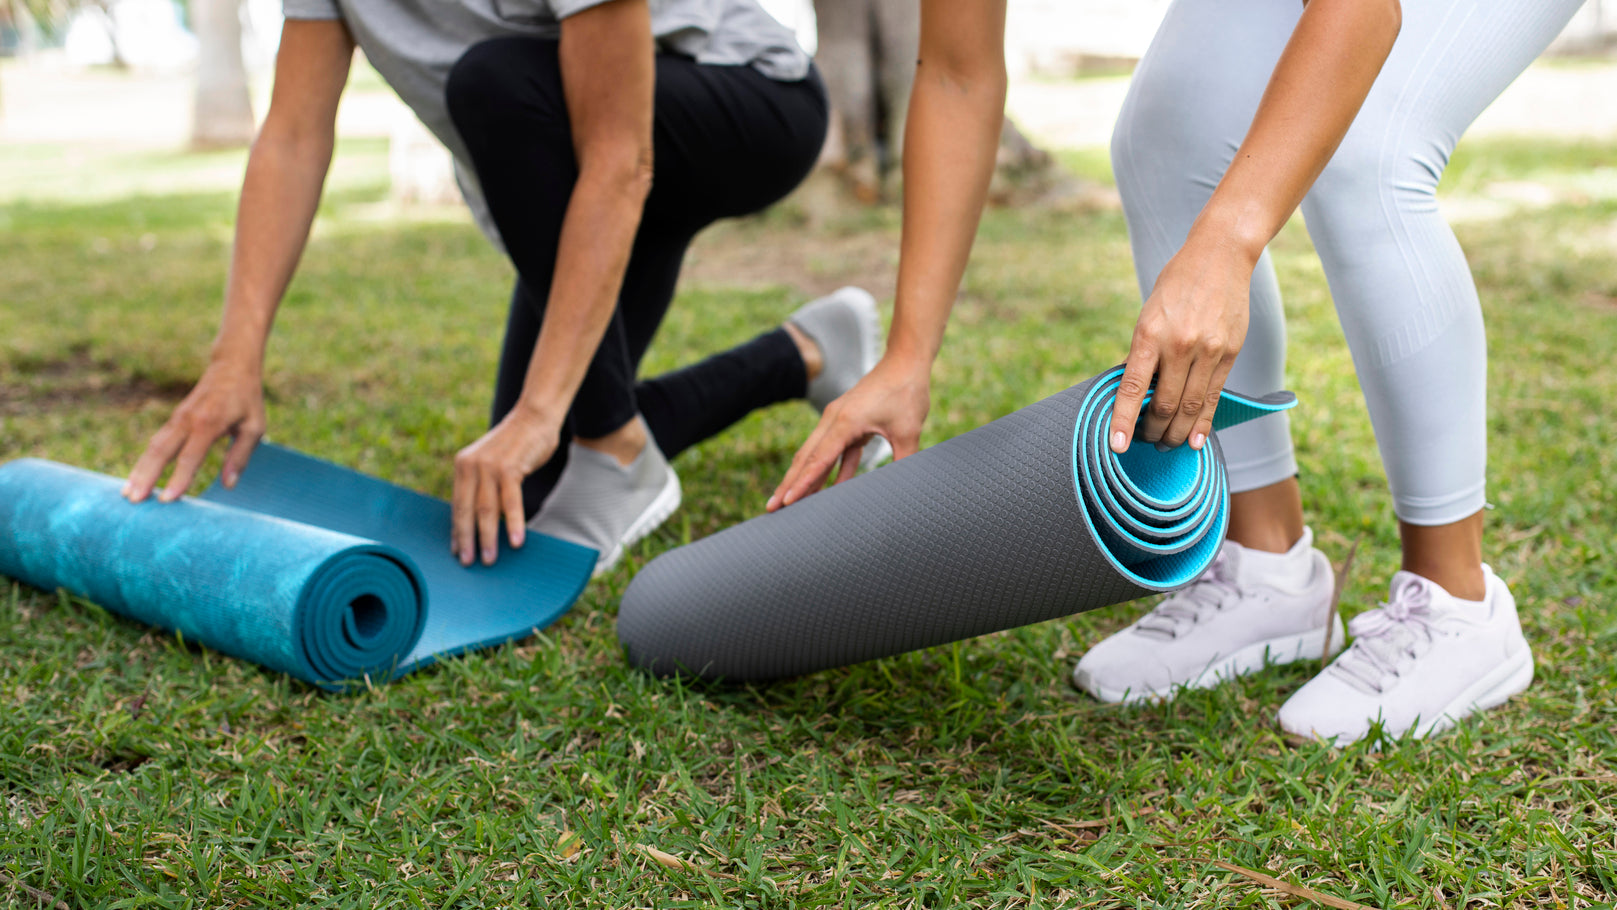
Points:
(1398, 276)
(729, 141)
(1451, 60)
(1188, 108)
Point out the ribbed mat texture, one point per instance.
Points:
(1029, 518)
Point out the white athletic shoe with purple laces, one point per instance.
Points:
(1249, 610)
(1418, 664)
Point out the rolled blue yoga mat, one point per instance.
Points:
(306, 567)
(1029, 518)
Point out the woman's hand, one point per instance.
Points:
(228, 401)
(488, 482)
(1188, 334)
(892, 401)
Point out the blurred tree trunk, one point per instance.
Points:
(867, 55)
(223, 112)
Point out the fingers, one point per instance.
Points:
(810, 467)
(241, 450)
(1172, 372)
(803, 461)
(463, 510)
(1192, 402)
(1131, 391)
(904, 444)
(186, 466)
(1215, 388)
(488, 515)
(850, 462)
(160, 451)
(516, 517)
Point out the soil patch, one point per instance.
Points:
(78, 380)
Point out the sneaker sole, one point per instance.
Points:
(1250, 659)
(1491, 691)
(667, 500)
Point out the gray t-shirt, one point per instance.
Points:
(413, 44)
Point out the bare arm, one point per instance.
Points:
(1194, 322)
(608, 67)
(951, 137)
(285, 172)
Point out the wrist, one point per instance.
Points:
(535, 412)
(242, 360)
(1222, 229)
(906, 363)
(909, 352)
(237, 350)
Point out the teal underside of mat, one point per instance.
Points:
(307, 568)
(1160, 517)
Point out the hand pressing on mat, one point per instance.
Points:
(227, 401)
(488, 483)
(1188, 334)
(891, 400)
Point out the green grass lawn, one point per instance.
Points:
(137, 770)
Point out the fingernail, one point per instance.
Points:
(1164, 447)
(1197, 440)
(488, 557)
(1120, 442)
(124, 492)
(518, 540)
(230, 479)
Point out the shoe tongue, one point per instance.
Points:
(602, 460)
(1403, 580)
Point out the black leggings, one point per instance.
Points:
(727, 141)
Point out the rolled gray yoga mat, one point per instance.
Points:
(1029, 518)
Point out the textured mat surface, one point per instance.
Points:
(306, 567)
(1029, 518)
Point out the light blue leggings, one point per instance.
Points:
(1402, 288)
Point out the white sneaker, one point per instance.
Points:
(845, 326)
(1249, 610)
(603, 505)
(1419, 663)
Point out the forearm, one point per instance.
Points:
(597, 236)
(278, 201)
(951, 139)
(1323, 77)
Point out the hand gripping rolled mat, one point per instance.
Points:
(1029, 518)
(307, 568)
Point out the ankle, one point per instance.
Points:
(1269, 518)
(813, 358)
(1463, 582)
(1449, 556)
(1276, 540)
(624, 444)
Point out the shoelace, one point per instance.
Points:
(1387, 638)
(1186, 608)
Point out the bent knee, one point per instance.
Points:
(1164, 143)
(1377, 170)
